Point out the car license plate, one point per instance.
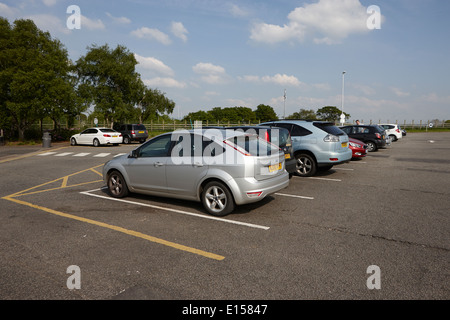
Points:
(114, 136)
(275, 167)
(287, 156)
(344, 145)
(141, 131)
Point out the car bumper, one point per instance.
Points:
(335, 158)
(291, 165)
(250, 190)
(359, 153)
(139, 137)
(112, 140)
(381, 143)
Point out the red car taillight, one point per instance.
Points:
(107, 136)
(378, 135)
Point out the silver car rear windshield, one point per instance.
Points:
(329, 127)
(252, 145)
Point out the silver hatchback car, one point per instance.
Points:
(220, 168)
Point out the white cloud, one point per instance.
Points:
(159, 82)
(210, 73)
(399, 93)
(6, 11)
(91, 24)
(152, 34)
(280, 79)
(364, 89)
(326, 21)
(48, 22)
(121, 20)
(207, 68)
(237, 11)
(154, 65)
(179, 31)
(49, 3)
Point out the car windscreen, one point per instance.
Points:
(139, 127)
(277, 136)
(329, 127)
(252, 145)
(107, 130)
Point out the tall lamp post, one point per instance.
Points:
(342, 99)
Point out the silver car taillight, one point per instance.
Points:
(331, 138)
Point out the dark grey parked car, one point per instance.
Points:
(133, 132)
(372, 135)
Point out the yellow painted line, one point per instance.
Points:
(95, 171)
(64, 184)
(29, 155)
(52, 189)
(120, 229)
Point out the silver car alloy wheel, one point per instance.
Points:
(116, 185)
(216, 199)
(304, 165)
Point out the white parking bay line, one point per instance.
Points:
(120, 154)
(83, 154)
(294, 196)
(63, 154)
(250, 225)
(326, 179)
(102, 155)
(343, 169)
(46, 154)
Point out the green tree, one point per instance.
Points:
(33, 74)
(199, 116)
(153, 103)
(304, 114)
(110, 80)
(244, 114)
(265, 113)
(330, 113)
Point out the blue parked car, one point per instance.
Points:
(317, 145)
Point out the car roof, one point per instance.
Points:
(210, 132)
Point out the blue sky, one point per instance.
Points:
(210, 53)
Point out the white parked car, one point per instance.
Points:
(97, 137)
(392, 130)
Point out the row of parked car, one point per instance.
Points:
(223, 167)
(126, 133)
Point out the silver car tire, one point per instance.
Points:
(217, 199)
(306, 165)
(117, 186)
(96, 143)
(73, 142)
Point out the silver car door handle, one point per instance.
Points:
(198, 164)
(158, 164)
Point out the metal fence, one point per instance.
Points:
(176, 124)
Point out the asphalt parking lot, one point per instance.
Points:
(317, 239)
